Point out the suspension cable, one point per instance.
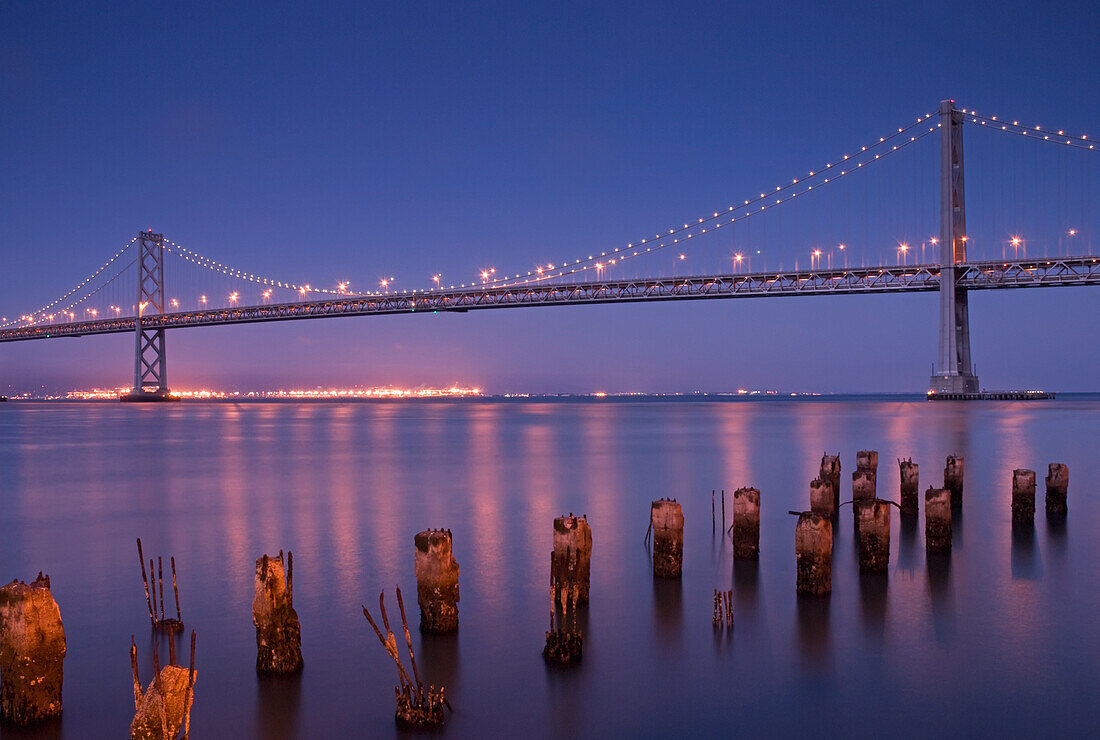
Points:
(34, 316)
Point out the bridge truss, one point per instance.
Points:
(999, 274)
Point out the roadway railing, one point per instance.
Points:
(1066, 271)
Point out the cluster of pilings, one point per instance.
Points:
(32, 637)
(1023, 493)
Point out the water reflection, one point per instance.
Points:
(439, 660)
(909, 545)
(668, 610)
(814, 640)
(942, 595)
(1026, 560)
(873, 590)
(746, 576)
(277, 700)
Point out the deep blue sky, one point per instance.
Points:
(323, 141)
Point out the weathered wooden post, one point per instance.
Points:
(874, 536)
(937, 520)
(813, 548)
(867, 460)
(163, 710)
(436, 581)
(822, 500)
(863, 491)
(746, 523)
(571, 564)
(1023, 496)
(953, 478)
(32, 652)
(1057, 487)
(278, 633)
(666, 518)
(830, 471)
(910, 477)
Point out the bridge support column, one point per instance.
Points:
(953, 371)
(150, 366)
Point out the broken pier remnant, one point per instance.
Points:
(163, 710)
(813, 548)
(417, 706)
(436, 581)
(153, 581)
(822, 499)
(746, 523)
(953, 478)
(863, 491)
(830, 471)
(564, 642)
(571, 563)
(937, 520)
(910, 480)
(32, 652)
(1057, 487)
(666, 519)
(278, 632)
(873, 520)
(1023, 496)
(867, 460)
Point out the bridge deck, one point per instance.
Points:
(1066, 271)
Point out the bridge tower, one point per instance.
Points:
(150, 371)
(953, 371)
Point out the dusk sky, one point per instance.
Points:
(322, 142)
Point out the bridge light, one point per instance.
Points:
(1072, 232)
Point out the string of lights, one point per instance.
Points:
(36, 316)
(1032, 132)
(848, 164)
(215, 266)
(118, 309)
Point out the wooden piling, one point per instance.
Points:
(822, 499)
(436, 581)
(571, 561)
(813, 547)
(746, 523)
(1057, 488)
(1023, 496)
(863, 490)
(830, 471)
(278, 632)
(666, 518)
(910, 481)
(953, 478)
(163, 710)
(32, 652)
(867, 460)
(937, 520)
(874, 536)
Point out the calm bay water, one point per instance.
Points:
(1001, 639)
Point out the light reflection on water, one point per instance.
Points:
(998, 637)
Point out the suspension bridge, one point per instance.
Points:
(587, 280)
